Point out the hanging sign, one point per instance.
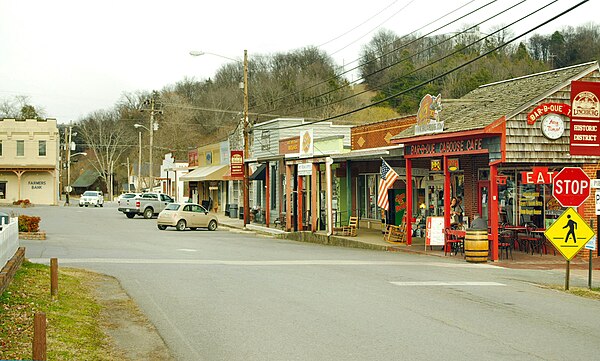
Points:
(585, 118)
(304, 169)
(453, 164)
(538, 175)
(436, 165)
(236, 163)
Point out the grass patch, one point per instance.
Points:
(74, 331)
(593, 293)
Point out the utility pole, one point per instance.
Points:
(151, 129)
(139, 179)
(65, 164)
(246, 144)
(128, 176)
(68, 193)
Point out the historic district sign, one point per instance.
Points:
(571, 187)
(585, 118)
(569, 233)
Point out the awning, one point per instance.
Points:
(208, 173)
(260, 173)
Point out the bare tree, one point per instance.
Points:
(107, 139)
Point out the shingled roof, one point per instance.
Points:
(486, 104)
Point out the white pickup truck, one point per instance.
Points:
(147, 205)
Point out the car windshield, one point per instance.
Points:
(172, 207)
(91, 194)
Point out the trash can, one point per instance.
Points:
(476, 245)
(233, 210)
(241, 212)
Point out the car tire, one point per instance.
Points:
(101, 204)
(86, 206)
(130, 215)
(81, 205)
(212, 225)
(181, 225)
(162, 227)
(148, 213)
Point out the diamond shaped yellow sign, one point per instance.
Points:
(569, 233)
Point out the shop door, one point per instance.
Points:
(483, 199)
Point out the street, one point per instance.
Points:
(234, 295)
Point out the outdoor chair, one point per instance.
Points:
(452, 243)
(350, 229)
(506, 243)
(395, 233)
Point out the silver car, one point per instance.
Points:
(186, 215)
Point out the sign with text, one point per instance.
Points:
(304, 169)
(546, 108)
(597, 197)
(571, 187)
(585, 118)
(434, 231)
(454, 147)
(236, 163)
(453, 164)
(569, 233)
(538, 175)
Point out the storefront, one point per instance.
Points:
(498, 147)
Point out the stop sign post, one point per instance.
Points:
(571, 187)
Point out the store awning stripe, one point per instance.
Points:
(208, 173)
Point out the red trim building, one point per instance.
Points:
(487, 146)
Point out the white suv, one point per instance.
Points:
(91, 198)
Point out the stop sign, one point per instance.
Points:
(571, 187)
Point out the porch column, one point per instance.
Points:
(493, 202)
(409, 202)
(349, 191)
(288, 197)
(267, 196)
(328, 163)
(19, 173)
(447, 193)
(314, 209)
(300, 202)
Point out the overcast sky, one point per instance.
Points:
(72, 57)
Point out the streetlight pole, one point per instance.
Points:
(246, 145)
(68, 193)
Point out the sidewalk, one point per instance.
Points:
(373, 239)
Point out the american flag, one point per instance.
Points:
(388, 177)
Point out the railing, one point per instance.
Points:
(9, 240)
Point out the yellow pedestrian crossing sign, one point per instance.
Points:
(569, 233)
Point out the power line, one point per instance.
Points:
(389, 52)
(441, 75)
(359, 25)
(425, 50)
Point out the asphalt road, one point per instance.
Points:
(232, 295)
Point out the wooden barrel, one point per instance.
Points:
(476, 246)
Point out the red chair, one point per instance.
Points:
(452, 243)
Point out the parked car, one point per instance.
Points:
(91, 198)
(186, 215)
(126, 196)
(146, 204)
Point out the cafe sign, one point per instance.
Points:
(428, 116)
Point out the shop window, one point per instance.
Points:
(20, 148)
(265, 141)
(2, 190)
(0, 148)
(484, 174)
(42, 148)
(367, 196)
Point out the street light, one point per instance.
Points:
(243, 85)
